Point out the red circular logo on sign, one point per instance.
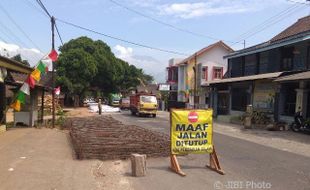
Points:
(192, 117)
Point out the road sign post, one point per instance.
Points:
(191, 132)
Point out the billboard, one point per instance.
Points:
(164, 87)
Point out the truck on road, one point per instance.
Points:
(143, 104)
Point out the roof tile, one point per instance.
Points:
(302, 25)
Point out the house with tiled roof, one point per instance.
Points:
(202, 66)
(12, 76)
(272, 76)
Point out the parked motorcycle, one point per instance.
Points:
(300, 123)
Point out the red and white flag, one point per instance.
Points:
(57, 91)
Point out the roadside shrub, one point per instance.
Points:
(61, 117)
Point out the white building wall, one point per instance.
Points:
(181, 83)
(174, 61)
(213, 58)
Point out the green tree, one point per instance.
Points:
(85, 65)
(18, 58)
(75, 71)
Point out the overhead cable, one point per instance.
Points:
(44, 8)
(267, 25)
(58, 33)
(120, 39)
(31, 5)
(19, 28)
(267, 21)
(307, 2)
(167, 24)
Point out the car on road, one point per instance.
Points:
(125, 103)
(115, 102)
(143, 104)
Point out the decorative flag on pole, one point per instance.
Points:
(30, 81)
(21, 97)
(40, 69)
(53, 55)
(36, 74)
(25, 88)
(16, 105)
(57, 91)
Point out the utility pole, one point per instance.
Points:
(243, 44)
(195, 82)
(53, 71)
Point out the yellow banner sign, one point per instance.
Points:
(191, 131)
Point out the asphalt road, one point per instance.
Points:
(247, 165)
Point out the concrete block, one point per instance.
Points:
(138, 165)
(248, 122)
(2, 128)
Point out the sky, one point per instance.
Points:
(183, 26)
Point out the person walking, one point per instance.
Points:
(99, 106)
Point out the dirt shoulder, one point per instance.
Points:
(43, 159)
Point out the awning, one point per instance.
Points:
(298, 76)
(245, 78)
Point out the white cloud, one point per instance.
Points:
(31, 55)
(149, 64)
(214, 7)
(9, 47)
(123, 52)
(144, 3)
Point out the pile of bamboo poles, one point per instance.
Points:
(106, 138)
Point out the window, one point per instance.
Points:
(217, 72)
(250, 65)
(236, 67)
(289, 96)
(239, 99)
(204, 73)
(148, 99)
(287, 64)
(287, 58)
(263, 62)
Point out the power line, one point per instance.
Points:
(44, 8)
(19, 28)
(270, 19)
(273, 23)
(3, 39)
(11, 33)
(5, 34)
(299, 2)
(14, 41)
(106, 35)
(167, 24)
(30, 4)
(58, 33)
(119, 39)
(16, 38)
(47, 12)
(49, 15)
(290, 12)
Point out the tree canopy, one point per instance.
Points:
(85, 64)
(18, 58)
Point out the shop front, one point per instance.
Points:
(264, 96)
(294, 95)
